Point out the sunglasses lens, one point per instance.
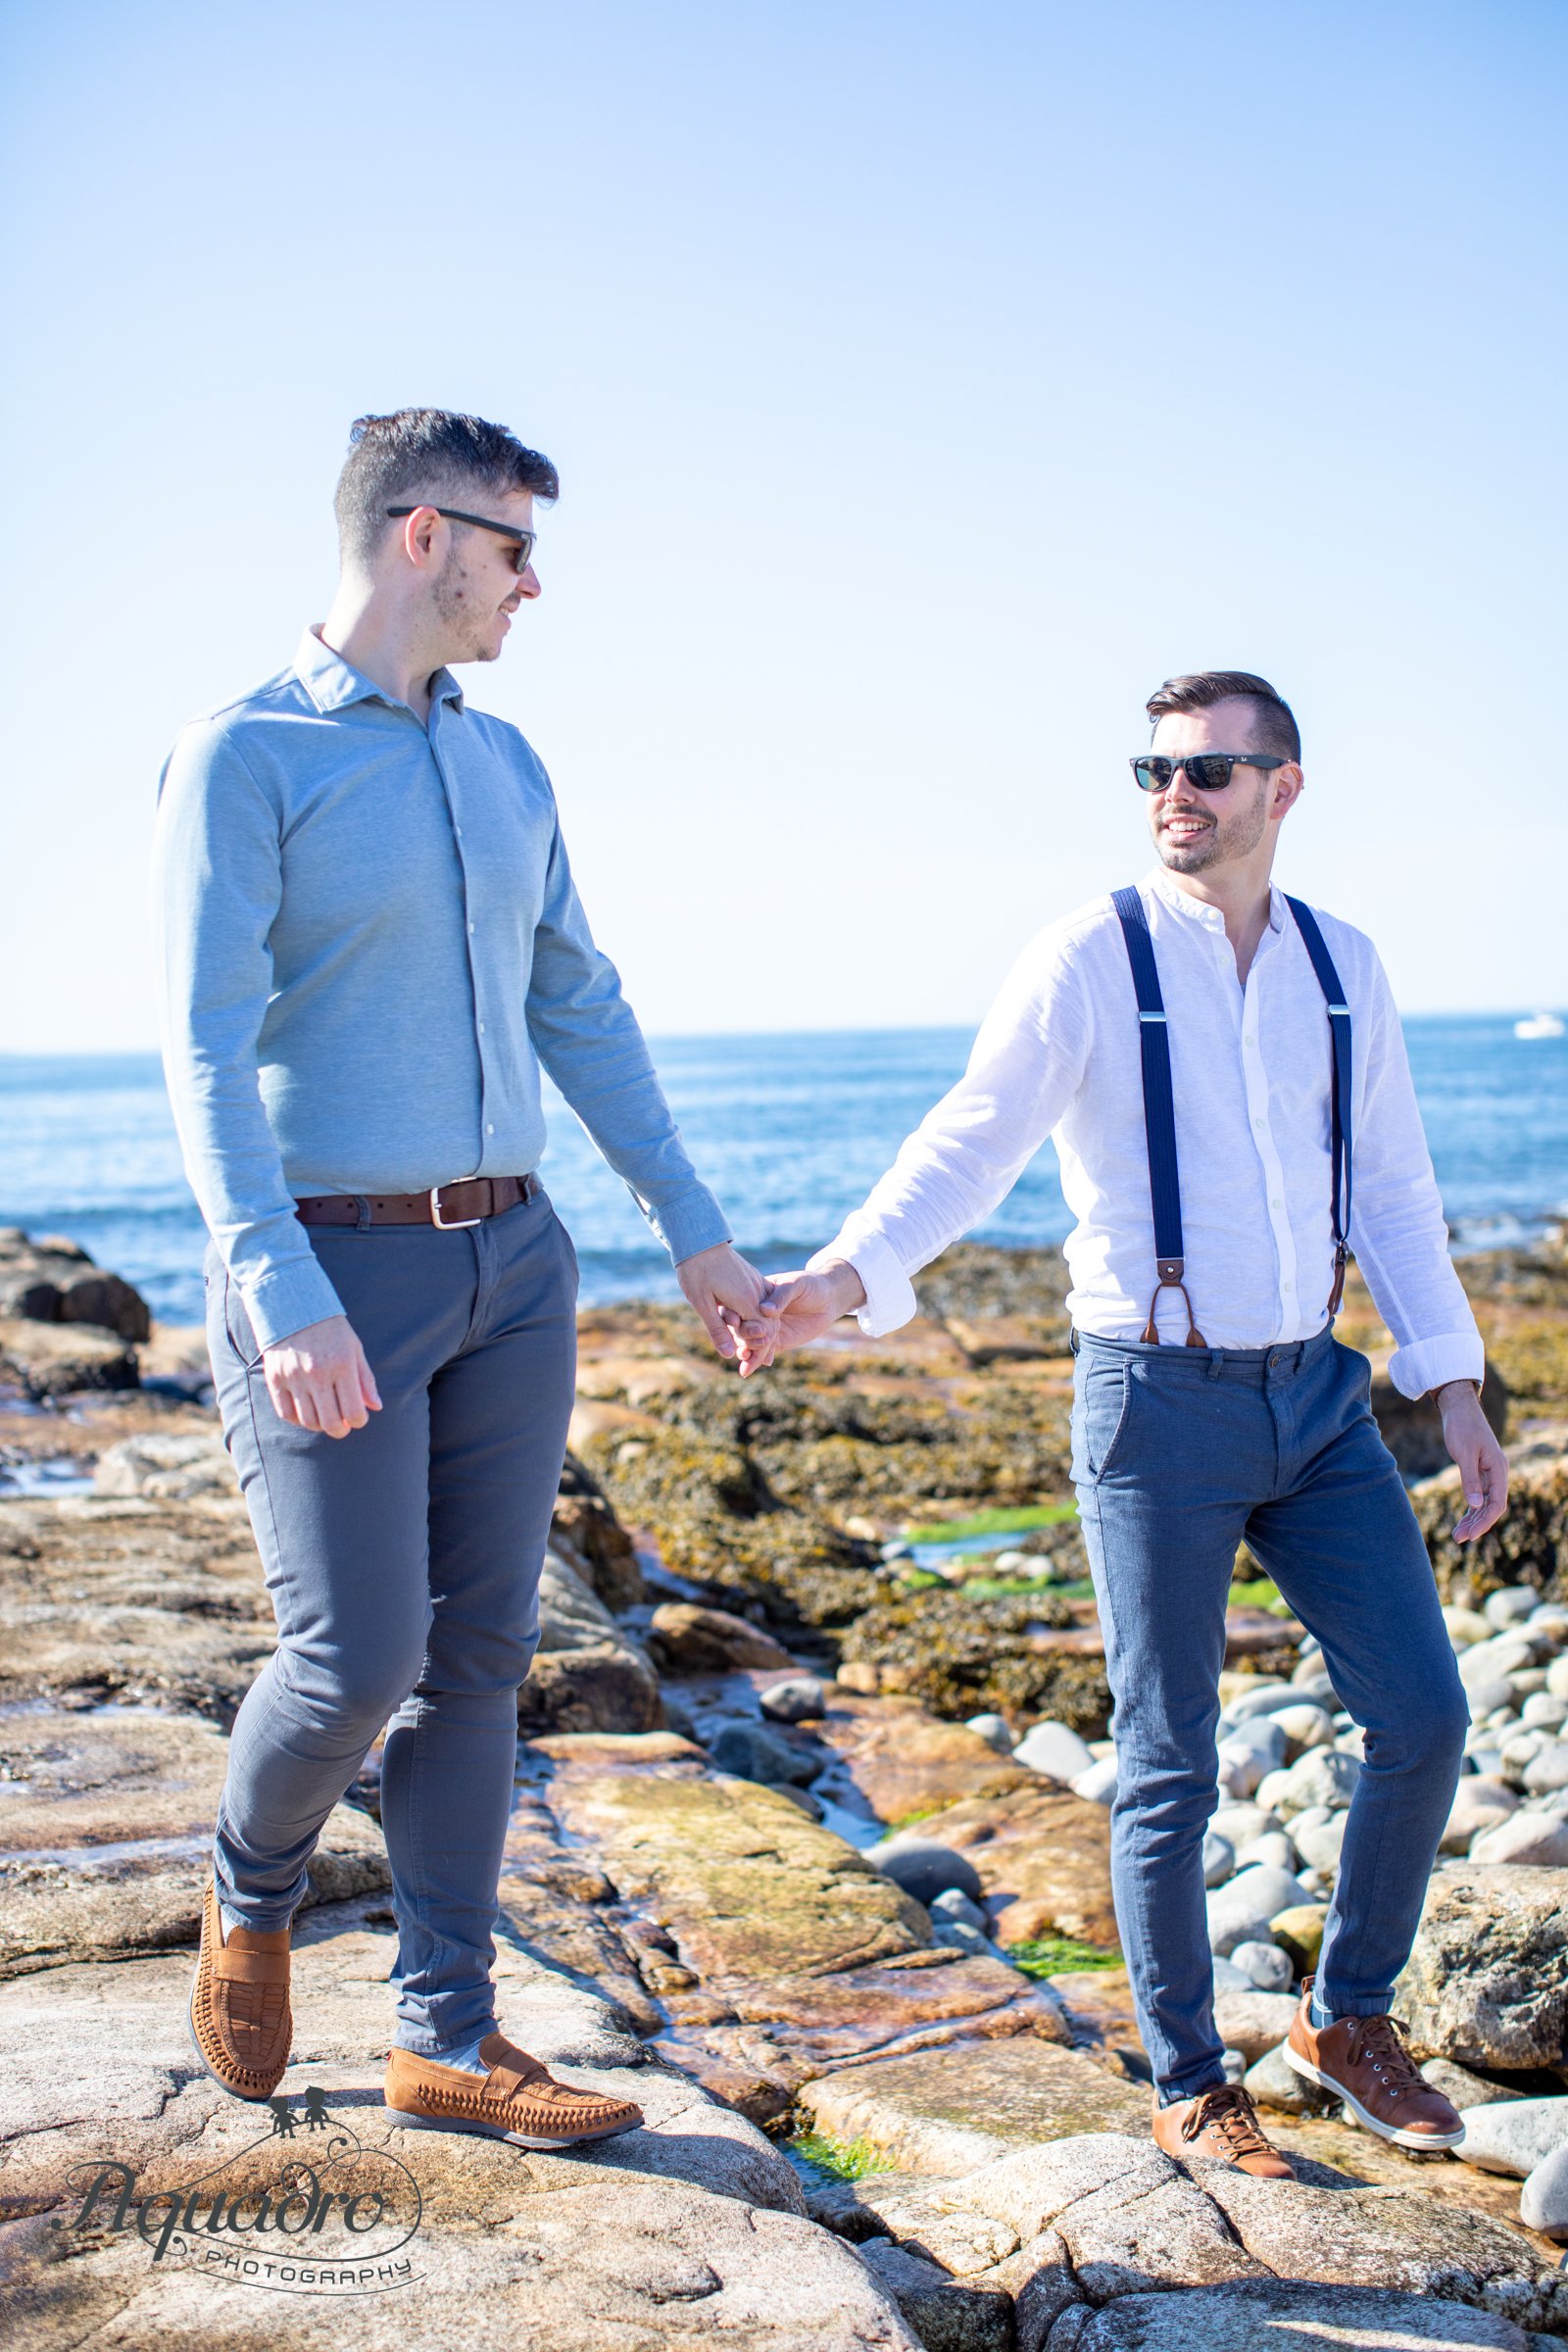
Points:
(1152, 774)
(1210, 771)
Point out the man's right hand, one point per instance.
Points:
(806, 1305)
(318, 1378)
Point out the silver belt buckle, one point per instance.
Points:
(449, 1224)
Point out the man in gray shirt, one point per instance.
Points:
(370, 942)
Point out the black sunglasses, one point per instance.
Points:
(508, 531)
(1210, 771)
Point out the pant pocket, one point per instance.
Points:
(1101, 1411)
(237, 1328)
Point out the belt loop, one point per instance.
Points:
(1216, 1362)
(362, 1205)
(1072, 1339)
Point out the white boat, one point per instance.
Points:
(1539, 1024)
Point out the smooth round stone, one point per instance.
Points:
(1542, 1712)
(1238, 1912)
(1219, 1858)
(1522, 1748)
(1309, 1818)
(1502, 1656)
(1235, 2064)
(1324, 1776)
(1511, 1605)
(1544, 2198)
(1268, 1968)
(1513, 2136)
(925, 1868)
(1274, 2083)
(993, 1729)
(1265, 1700)
(1527, 1682)
(752, 1751)
(1305, 1726)
(1551, 1619)
(1313, 1685)
(1555, 1802)
(1098, 1782)
(1558, 1678)
(1488, 1697)
(1319, 1846)
(1547, 1770)
(1274, 1847)
(1466, 1627)
(955, 1905)
(1352, 1742)
(1016, 1563)
(1298, 1932)
(1273, 1791)
(1229, 1978)
(1538, 1839)
(796, 1700)
(1241, 1824)
(1054, 1749)
(1479, 1803)
(1487, 1759)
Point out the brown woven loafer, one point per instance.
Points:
(1221, 2122)
(519, 2099)
(239, 2014)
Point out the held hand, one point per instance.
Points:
(729, 1296)
(318, 1378)
(807, 1304)
(1483, 1465)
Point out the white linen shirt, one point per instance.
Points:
(1058, 1055)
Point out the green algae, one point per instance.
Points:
(1058, 1957)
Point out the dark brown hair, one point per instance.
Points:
(427, 454)
(1274, 727)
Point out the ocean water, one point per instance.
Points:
(790, 1131)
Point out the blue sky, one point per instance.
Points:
(927, 381)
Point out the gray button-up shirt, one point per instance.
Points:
(369, 940)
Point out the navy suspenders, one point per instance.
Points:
(1159, 1114)
(1160, 1110)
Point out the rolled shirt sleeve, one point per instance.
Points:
(970, 1150)
(586, 1035)
(216, 888)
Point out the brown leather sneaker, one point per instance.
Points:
(1223, 2122)
(1364, 2061)
(239, 2014)
(519, 2099)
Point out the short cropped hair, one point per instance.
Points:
(1274, 726)
(434, 454)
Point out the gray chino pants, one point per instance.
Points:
(1178, 1453)
(402, 1562)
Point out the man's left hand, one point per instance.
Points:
(726, 1292)
(1483, 1465)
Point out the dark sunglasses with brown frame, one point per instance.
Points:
(481, 523)
(1210, 771)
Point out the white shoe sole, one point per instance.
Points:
(1419, 2143)
(414, 2122)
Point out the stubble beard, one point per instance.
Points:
(1232, 836)
(457, 612)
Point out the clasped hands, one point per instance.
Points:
(751, 1317)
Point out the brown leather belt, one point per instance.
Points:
(445, 1206)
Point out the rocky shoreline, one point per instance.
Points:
(774, 1850)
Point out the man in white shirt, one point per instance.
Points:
(1212, 1402)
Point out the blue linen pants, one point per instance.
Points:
(403, 1563)
(1178, 1455)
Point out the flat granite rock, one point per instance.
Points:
(1256, 2314)
(901, 1761)
(945, 2111)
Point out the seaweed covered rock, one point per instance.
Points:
(958, 1654)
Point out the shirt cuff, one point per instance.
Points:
(890, 1299)
(1427, 1364)
(690, 1224)
(283, 1302)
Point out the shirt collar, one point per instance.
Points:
(1181, 902)
(334, 684)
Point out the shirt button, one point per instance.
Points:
(1276, 1205)
(481, 1028)
(1258, 1122)
(489, 1130)
(470, 930)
